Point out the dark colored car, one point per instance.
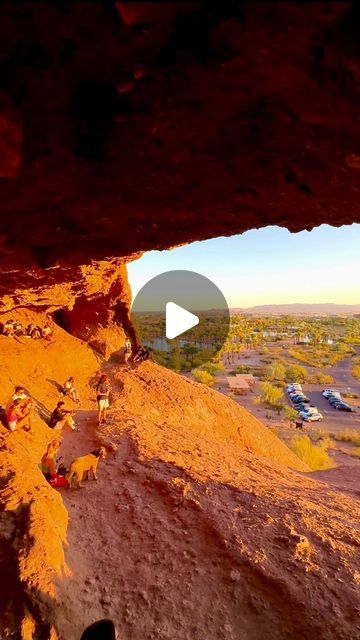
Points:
(334, 400)
(344, 407)
(298, 398)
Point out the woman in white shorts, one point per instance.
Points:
(102, 397)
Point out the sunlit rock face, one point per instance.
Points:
(126, 128)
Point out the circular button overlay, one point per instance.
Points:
(181, 316)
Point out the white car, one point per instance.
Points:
(311, 416)
(293, 387)
(330, 392)
(314, 417)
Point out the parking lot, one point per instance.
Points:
(333, 420)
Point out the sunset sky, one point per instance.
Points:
(268, 266)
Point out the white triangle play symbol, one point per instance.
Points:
(178, 320)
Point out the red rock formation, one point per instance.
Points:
(145, 129)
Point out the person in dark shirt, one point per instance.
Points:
(62, 417)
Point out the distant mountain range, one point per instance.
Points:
(299, 309)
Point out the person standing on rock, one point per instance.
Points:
(127, 350)
(102, 396)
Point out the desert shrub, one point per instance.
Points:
(322, 355)
(296, 373)
(348, 435)
(318, 434)
(242, 368)
(355, 453)
(270, 394)
(212, 367)
(289, 413)
(349, 394)
(321, 378)
(203, 376)
(316, 457)
(276, 371)
(356, 368)
(280, 384)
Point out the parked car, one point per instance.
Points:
(300, 398)
(299, 406)
(312, 414)
(313, 417)
(311, 409)
(294, 385)
(335, 400)
(292, 388)
(330, 392)
(343, 406)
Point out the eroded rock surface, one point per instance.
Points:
(152, 125)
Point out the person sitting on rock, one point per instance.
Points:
(8, 328)
(18, 329)
(62, 417)
(47, 331)
(33, 332)
(69, 389)
(141, 355)
(102, 397)
(19, 392)
(52, 468)
(19, 414)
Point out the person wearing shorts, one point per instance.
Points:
(18, 415)
(102, 397)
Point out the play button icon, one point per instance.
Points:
(178, 320)
(183, 317)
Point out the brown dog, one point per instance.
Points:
(81, 467)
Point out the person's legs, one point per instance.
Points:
(60, 424)
(25, 421)
(68, 420)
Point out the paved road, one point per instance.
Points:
(343, 381)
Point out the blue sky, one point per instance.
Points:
(268, 266)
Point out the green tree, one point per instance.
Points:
(296, 373)
(203, 376)
(175, 360)
(190, 351)
(289, 413)
(270, 394)
(276, 371)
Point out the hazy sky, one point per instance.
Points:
(268, 266)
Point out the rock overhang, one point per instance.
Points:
(126, 128)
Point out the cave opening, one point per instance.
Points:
(61, 318)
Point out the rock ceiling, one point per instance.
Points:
(126, 127)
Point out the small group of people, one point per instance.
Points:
(13, 328)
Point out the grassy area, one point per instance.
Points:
(315, 456)
(323, 355)
(348, 435)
